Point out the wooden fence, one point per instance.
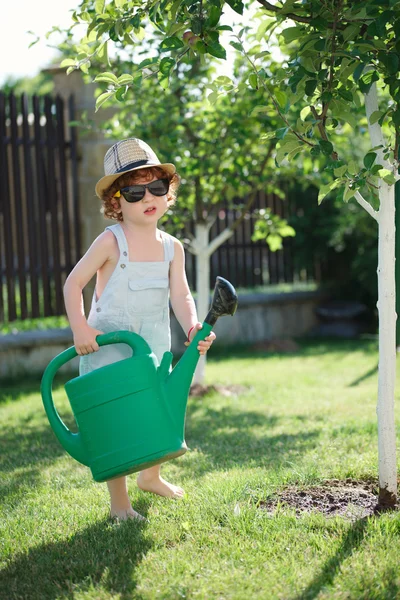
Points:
(39, 217)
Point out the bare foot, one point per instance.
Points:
(158, 485)
(125, 514)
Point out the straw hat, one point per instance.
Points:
(128, 155)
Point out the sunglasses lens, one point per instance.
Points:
(159, 187)
(134, 193)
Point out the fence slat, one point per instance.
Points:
(42, 208)
(63, 184)
(17, 204)
(73, 146)
(6, 208)
(51, 145)
(30, 208)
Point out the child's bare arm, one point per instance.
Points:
(182, 301)
(98, 253)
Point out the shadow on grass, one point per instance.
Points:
(228, 438)
(12, 389)
(350, 542)
(104, 555)
(366, 375)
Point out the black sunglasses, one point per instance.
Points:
(134, 193)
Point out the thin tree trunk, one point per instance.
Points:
(202, 287)
(387, 312)
(387, 347)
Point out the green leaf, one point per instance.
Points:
(310, 87)
(236, 45)
(345, 94)
(213, 97)
(387, 176)
(350, 32)
(369, 159)
(214, 15)
(326, 147)
(358, 71)
(326, 97)
(107, 78)
(215, 49)
(304, 113)
(171, 43)
(253, 80)
(236, 5)
(261, 54)
(396, 117)
(125, 79)
(348, 192)
(281, 98)
(223, 80)
(103, 98)
(165, 66)
(120, 94)
(99, 6)
(67, 62)
(274, 242)
(280, 133)
(367, 80)
(268, 135)
(291, 33)
(326, 189)
(340, 171)
(375, 116)
(259, 109)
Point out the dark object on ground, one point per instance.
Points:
(350, 498)
(340, 319)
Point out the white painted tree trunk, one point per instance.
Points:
(387, 311)
(203, 249)
(387, 347)
(203, 290)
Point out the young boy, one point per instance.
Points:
(139, 269)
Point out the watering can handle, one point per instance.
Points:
(72, 441)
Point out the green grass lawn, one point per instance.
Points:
(303, 418)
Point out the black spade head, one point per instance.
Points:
(224, 301)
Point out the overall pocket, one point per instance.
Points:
(148, 297)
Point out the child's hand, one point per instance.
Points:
(205, 344)
(85, 340)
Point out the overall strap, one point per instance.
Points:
(121, 240)
(169, 248)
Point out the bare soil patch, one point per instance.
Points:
(350, 498)
(225, 390)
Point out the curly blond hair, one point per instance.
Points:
(112, 206)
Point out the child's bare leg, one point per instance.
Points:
(120, 504)
(150, 480)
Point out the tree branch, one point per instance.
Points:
(219, 240)
(366, 205)
(276, 9)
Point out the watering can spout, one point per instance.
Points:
(178, 382)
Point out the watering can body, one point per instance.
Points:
(130, 414)
(125, 421)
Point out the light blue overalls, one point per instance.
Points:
(136, 298)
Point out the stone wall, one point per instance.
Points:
(259, 317)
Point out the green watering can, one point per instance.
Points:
(131, 414)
